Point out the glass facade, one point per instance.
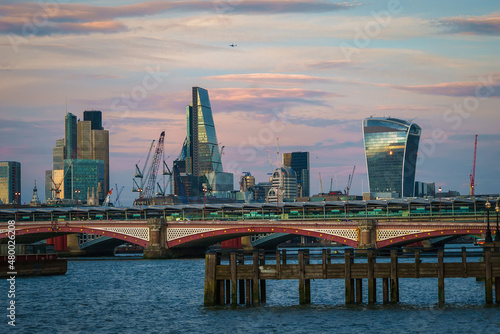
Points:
(10, 181)
(70, 135)
(95, 118)
(84, 175)
(391, 147)
(299, 162)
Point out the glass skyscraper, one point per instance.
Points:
(200, 163)
(391, 147)
(84, 175)
(299, 162)
(10, 182)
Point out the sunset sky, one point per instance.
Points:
(307, 72)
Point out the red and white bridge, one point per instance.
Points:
(158, 235)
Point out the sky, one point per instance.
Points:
(306, 72)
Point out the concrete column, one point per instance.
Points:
(156, 248)
(367, 233)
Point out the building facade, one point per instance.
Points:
(83, 175)
(424, 189)
(391, 147)
(299, 162)
(283, 186)
(10, 182)
(70, 136)
(199, 165)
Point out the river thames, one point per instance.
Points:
(166, 296)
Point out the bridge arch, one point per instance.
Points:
(215, 236)
(419, 236)
(49, 232)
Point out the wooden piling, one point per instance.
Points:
(488, 281)
(440, 275)
(359, 290)
(372, 292)
(394, 277)
(241, 261)
(248, 292)
(228, 291)
(210, 284)
(307, 282)
(234, 286)
(255, 281)
(349, 288)
(222, 291)
(263, 281)
(283, 255)
(417, 264)
(464, 262)
(278, 265)
(385, 290)
(323, 264)
(302, 278)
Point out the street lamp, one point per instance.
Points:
(204, 200)
(440, 217)
(18, 198)
(77, 191)
(497, 235)
(140, 203)
(488, 231)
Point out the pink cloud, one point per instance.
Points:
(465, 88)
(270, 78)
(473, 25)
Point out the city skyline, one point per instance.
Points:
(307, 72)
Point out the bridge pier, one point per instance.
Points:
(367, 234)
(156, 248)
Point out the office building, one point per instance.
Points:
(83, 175)
(247, 182)
(391, 147)
(199, 165)
(424, 189)
(10, 182)
(70, 136)
(283, 186)
(95, 119)
(299, 162)
(48, 185)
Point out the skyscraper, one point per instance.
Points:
(70, 135)
(199, 165)
(299, 162)
(10, 182)
(284, 186)
(95, 118)
(391, 147)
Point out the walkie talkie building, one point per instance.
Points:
(391, 147)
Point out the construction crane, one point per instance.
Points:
(167, 171)
(349, 182)
(320, 183)
(153, 170)
(118, 193)
(473, 175)
(106, 200)
(139, 174)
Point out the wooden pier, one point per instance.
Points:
(225, 282)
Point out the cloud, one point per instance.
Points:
(472, 25)
(271, 78)
(457, 89)
(50, 18)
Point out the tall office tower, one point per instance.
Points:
(299, 162)
(10, 182)
(284, 186)
(203, 152)
(93, 143)
(58, 155)
(247, 182)
(200, 152)
(95, 118)
(48, 185)
(70, 135)
(391, 147)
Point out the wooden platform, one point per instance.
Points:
(222, 282)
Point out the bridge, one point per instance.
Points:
(163, 238)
